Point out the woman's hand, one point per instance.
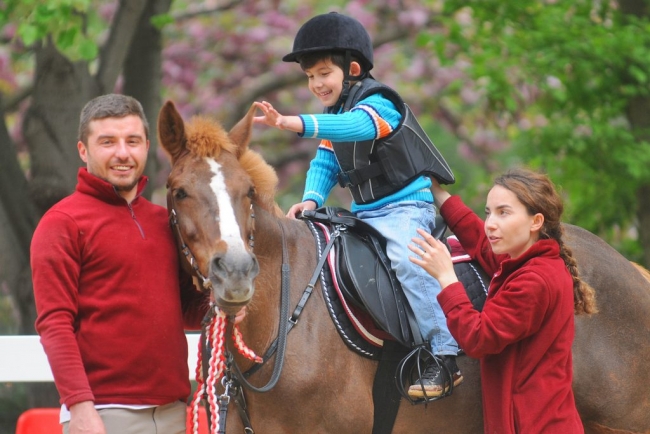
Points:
(440, 194)
(434, 257)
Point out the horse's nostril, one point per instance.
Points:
(220, 265)
(254, 267)
(225, 265)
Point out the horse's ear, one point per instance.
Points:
(241, 133)
(171, 130)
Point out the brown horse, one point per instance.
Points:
(217, 184)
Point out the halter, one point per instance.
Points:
(234, 380)
(191, 259)
(220, 361)
(216, 325)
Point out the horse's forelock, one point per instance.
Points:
(207, 138)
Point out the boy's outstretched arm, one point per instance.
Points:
(274, 119)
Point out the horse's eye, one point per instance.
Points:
(251, 192)
(179, 193)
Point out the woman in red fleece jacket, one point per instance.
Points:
(524, 333)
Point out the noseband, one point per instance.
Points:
(191, 259)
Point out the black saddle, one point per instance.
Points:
(363, 274)
(367, 281)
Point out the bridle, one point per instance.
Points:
(173, 221)
(184, 248)
(234, 379)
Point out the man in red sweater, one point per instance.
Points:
(111, 300)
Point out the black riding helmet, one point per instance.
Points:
(334, 32)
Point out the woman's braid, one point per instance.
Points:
(584, 296)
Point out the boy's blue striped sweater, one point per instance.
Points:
(372, 118)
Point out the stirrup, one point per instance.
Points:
(411, 368)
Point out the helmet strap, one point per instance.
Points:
(346, 83)
(344, 95)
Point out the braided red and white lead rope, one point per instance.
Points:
(242, 348)
(216, 364)
(216, 335)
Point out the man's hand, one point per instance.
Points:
(84, 419)
(239, 317)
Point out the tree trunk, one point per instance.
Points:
(18, 218)
(143, 77)
(637, 114)
(61, 89)
(643, 215)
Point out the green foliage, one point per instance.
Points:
(161, 20)
(576, 65)
(67, 23)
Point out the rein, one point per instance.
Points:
(233, 378)
(221, 362)
(283, 327)
(216, 326)
(293, 320)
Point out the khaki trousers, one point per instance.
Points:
(164, 419)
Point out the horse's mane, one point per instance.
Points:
(207, 138)
(644, 271)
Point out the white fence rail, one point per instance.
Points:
(22, 359)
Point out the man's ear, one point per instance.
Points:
(355, 69)
(83, 152)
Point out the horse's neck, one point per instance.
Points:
(271, 238)
(278, 237)
(278, 240)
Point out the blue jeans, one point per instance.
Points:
(398, 222)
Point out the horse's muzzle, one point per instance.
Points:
(232, 277)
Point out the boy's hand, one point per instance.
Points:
(274, 119)
(271, 116)
(300, 207)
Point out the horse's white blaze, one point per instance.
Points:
(228, 226)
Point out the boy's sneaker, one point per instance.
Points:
(435, 381)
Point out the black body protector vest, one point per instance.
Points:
(374, 169)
